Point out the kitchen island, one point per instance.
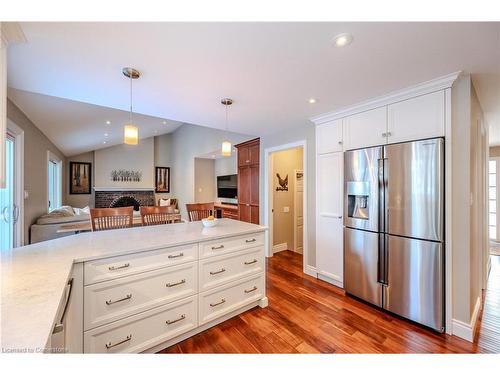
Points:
(129, 290)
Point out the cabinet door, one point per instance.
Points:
(244, 185)
(417, 118)
(329, 137)
(329, 231)
(245, 212)
(254, 154)
(254, 214)
(365, 129)
(243, 156)
(254, 185)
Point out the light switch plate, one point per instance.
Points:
(286, 209)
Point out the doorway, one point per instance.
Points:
(11, 196)
(285, 191)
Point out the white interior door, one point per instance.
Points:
(298, 219)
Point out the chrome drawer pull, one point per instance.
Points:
(109, 345)
(183, 316)
(170, 285)
(217, 247)
(250, 241)
(251, 262)
(110, 302)
(217, 272)
(176, 256)
(218, 303)
(251, 290)
(113, 268)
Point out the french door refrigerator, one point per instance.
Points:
(394, 228)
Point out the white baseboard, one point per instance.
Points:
(280, 247)
(331, 278)
(466, 330)
(311, 271)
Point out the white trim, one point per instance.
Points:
(311, 271)
(448, 203)
(331, 278)
(466, 330)
(267, 208)
(295, 216)
(18, 133)
(56, 159)
(427, 87)
(280, 247)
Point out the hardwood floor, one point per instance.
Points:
(488, 330)
(306, 315)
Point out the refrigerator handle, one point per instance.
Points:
(386, 259)
(381, 259)
(386, 189)
(381, 196)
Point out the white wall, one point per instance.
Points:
(81, 200)
(188, 142)
(305, 132)
(137, 158)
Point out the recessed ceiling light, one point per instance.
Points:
(312, 101)
(104, 142)
(164, 122)
(106, 134)
(343, 40)
(155, 131)
(213, 156)
(108, 122)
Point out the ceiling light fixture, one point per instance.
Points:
(130, 131)
(164, 122)
(106, 134)
(343, 40)
(226, 145)
(108, 122)
(312, 101)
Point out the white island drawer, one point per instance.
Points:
(223, 300)
(228, 245)
(116, 299)
(222, 269)
(145, 330)
(110, 268)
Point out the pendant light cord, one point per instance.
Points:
(130, 114)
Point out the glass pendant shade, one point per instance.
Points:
(226, 148)
(130, 134)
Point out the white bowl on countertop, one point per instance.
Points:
(209, 223)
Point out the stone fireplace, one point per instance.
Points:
(123, 198)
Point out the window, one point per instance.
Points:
(54, 179)
(492, 198)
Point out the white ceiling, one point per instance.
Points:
(269, 69)
(76, 127)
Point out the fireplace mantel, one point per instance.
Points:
(122, 189)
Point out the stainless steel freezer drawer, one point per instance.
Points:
(415, 280)
(360, 265)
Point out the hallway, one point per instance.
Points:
(488, 330)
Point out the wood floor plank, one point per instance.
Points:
(307, 315)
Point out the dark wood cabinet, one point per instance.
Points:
(248, 180)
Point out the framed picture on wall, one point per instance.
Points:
(162, 180)
(80, 177)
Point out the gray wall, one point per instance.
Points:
(36, 145)
(305, 132)
(204, 180)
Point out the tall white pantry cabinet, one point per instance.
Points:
(411, 114)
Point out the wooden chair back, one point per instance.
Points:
(111, 218)
(155, 215)
(198, 211)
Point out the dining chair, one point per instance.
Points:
(111, 218)
(198, 211)
(155, 215)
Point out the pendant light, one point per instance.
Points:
(226, 145)
(130, 131)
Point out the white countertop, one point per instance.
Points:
(34, 276)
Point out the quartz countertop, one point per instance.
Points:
(34, 277)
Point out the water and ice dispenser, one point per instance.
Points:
(358, 194)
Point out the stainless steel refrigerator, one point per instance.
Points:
(394, 228)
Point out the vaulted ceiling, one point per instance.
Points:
(269, 69)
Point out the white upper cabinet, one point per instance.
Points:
(365, 129)
(417, 118)
(329, 137)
